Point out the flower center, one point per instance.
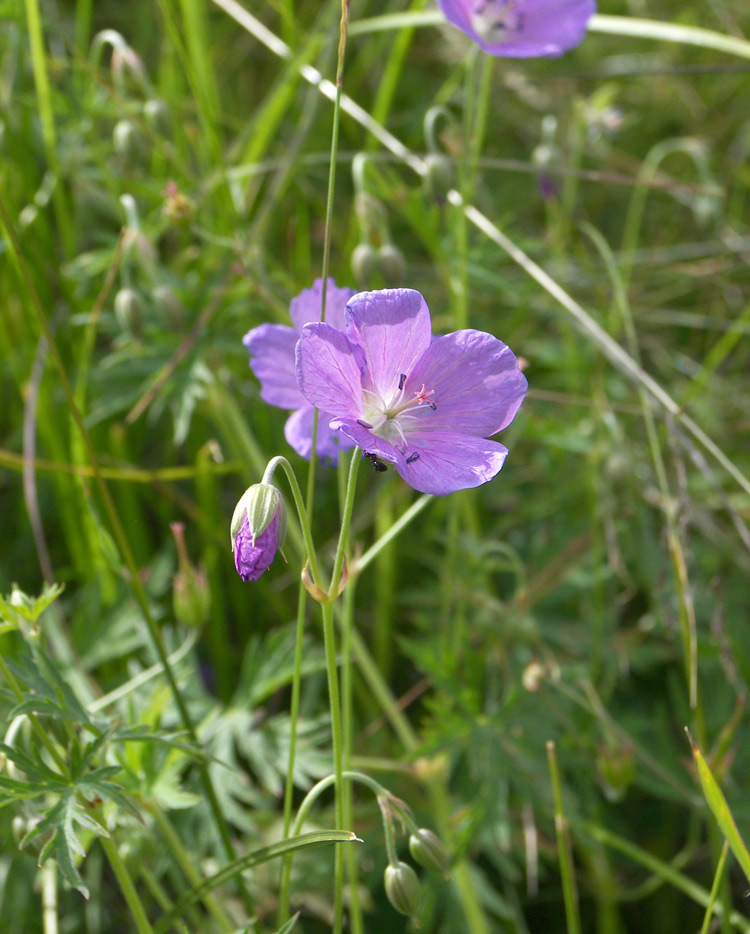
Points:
(496, 20)
(388, 417)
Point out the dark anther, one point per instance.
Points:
(363, 423)
(401, 381)
(432, 405)
(412, 457)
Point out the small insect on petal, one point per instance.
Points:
(376, 462)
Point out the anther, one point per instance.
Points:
(363, 423)
(412, 457)
(401, 381)
(431, 405)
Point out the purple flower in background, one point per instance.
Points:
(271, 349)
(521, 28)
(425, 404)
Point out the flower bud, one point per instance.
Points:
(178, 209)
(364, 263)
(167, 303)
(439, 178)
(402, 888)
(258, 529)
(129, 142)
(427, 849)
(616, 767)
(191, 597)
(129, 311)
(157, 116)
(391, 263)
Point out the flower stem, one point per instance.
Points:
(127, 887)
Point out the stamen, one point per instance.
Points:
(412, 457)
(423, 394)
(363, 423)
(432, 405)
(401, 381)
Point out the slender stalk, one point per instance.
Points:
(181, 857)
(127, 887)
(563, 848)
(718, 876)
(49, 897)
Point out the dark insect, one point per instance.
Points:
(376, 462)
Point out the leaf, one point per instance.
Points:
(255, 858)
(720, 809)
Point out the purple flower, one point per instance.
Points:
(521, 28)
(425, 404)
(258, 530)
(271, 349)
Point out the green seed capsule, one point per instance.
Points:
(402, 888)
(391, 263)
(427, 849)
(364, 264)
(129, 311)
(129, 142)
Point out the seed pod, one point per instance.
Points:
(427, 849)
(616, 767)
(392, 264)
(439, 178)
(364, 264)
(129, 311)
(402, 888)
(158, 117)
(167, 304)
(129, 142)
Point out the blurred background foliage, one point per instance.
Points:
(167, 181)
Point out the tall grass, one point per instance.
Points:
(517, 662)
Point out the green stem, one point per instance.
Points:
(127, 887)
(285, 879)
(563, 848)
(181, 857)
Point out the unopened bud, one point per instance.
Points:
(18, 827)
(158, 117)
(364, 264)
(402, 888)
(616, 767)
(191, 597)
(427, 849)
(178, 208)
(258, 529)
(168, 305)
(129, 311)
(439, 178)
(391, 263)
(129, 142)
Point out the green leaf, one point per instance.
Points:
(255, 858)
(720, 809)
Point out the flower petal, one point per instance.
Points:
(271, 349)
(252, 560)
(452, 461)
(393, 329)
(533, 27)
(298, 433)
(477, 385)
(329, 373)
(305, 308)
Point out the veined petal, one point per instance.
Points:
(298, 433)
(477, 384)
(393, 329)
(271, 349)
(305, 308)
(450, 461)
(328, 372)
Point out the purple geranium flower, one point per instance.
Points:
(258, 530)
(271, 349)
(424, 403)
(521, 28)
